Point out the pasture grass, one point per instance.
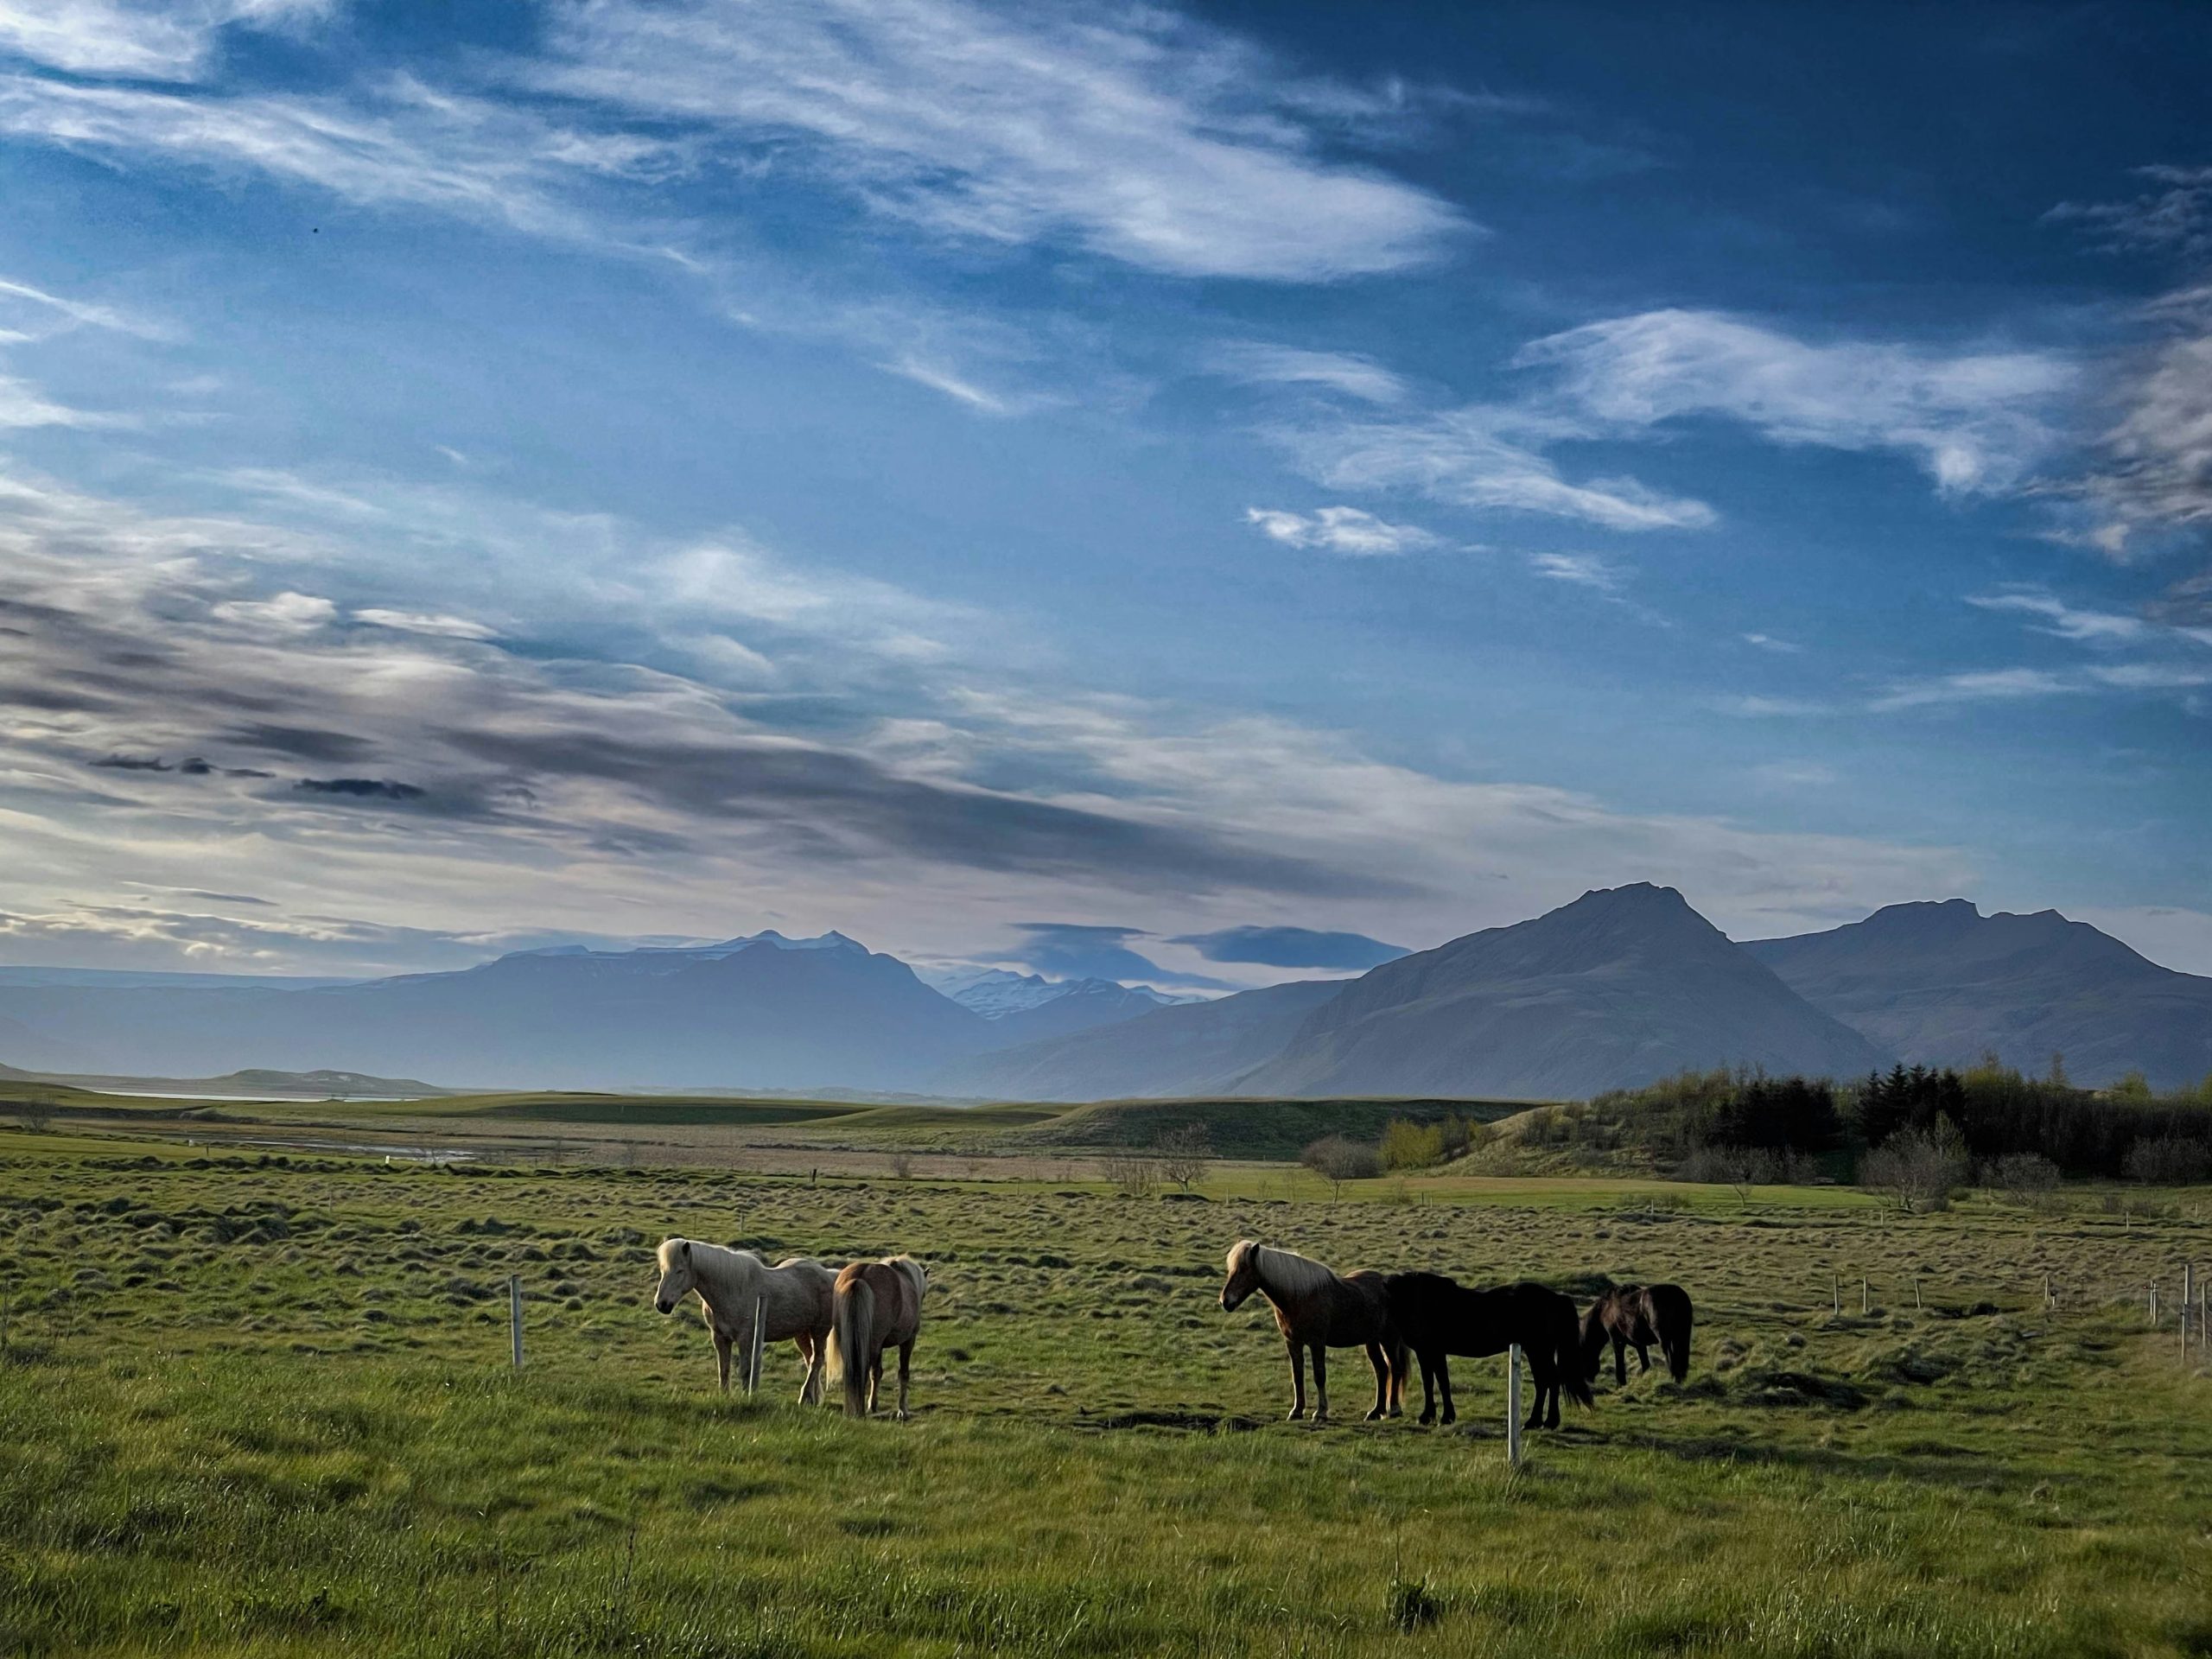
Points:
(263, 1405)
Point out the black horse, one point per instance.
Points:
(1637, 1316)
(1437, 1319)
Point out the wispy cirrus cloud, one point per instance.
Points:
(1258, 363)
(1139, 135)
(1979, 686)
(399, 144)
(2064, 620)
(1976, 421)
(1483, 458)
(1339, 530)
(139, 38)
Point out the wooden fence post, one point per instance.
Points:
(1513, 1407)
(1865, 1297)
(514, 1313)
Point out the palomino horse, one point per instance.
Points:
(794, 1297)
(1636, 1316)
(1437, 1319)
(1317, 1308)
(879, 1304)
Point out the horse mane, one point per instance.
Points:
(1284, 1270)
(711, 1263)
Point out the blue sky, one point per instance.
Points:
(631, 469)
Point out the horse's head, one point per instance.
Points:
(1593, 1335)
(1243, 1275)
(677, 1277)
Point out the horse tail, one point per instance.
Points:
(851, 1321)
(1571, 1375)
(1675, 1337)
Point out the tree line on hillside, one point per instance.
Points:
(1907, 1128)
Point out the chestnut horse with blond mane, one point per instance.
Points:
(878, 1305)
(1319, 1309)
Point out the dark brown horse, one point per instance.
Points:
(1437, 1319)
(1317, 1308)
(1637, 1316)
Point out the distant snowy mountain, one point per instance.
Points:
(997, 993)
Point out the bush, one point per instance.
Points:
(2168, 1160)
(1411, 1145)
(1134, 1174)
(1183, 1153)
(1337, 1160)
(2024, 1178)
(1919, 1169)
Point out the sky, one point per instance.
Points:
(1205, 495)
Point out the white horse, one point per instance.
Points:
(795, 1297)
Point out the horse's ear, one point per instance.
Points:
(687, 1250)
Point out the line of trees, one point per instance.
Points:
(1915, 1131)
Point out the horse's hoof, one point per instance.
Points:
(901, 1416)
(1294, 1413)
(1427, 1418)
(1372, 1417)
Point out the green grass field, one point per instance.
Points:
(265, 1406)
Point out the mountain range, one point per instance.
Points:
(1941, 984)
(1619, 988)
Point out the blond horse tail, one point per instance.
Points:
(852, 1322)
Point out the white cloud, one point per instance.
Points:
(2153, 475)
(1579, 570)
(162, 40)
(79, 311)
(1480, 457)
(284, 613)
(1769, 642)
(1256, 362)
(1975, 421)
(402, 144)
(1988, 685)
(2066, 622)
(616, 796)
(1144, 137)
(450, 627)
(1338, 530)
(22, 404)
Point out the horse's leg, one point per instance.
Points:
(874, 1379)
(1428, 1389)
(722, 1355)
(906, 1359)
(1320, 1383)
(1398, 1381)
(1547, 1392)
(1643, 1357)
(1376, 1358)
(1444, 1387)
(1297, 1380)
(1536, 1407)
(1620, 1363)
(804, 1343)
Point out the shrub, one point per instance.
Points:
(1918, 1168)
(1411, 1145)
(2024, 1178)
(2168, 1160)
(1337, 1160)
(1135, 1175)
(1183, 1153)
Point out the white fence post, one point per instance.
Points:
(2188, 1287)
(753, 1360)
(514, 1313)
(1513, 1406)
